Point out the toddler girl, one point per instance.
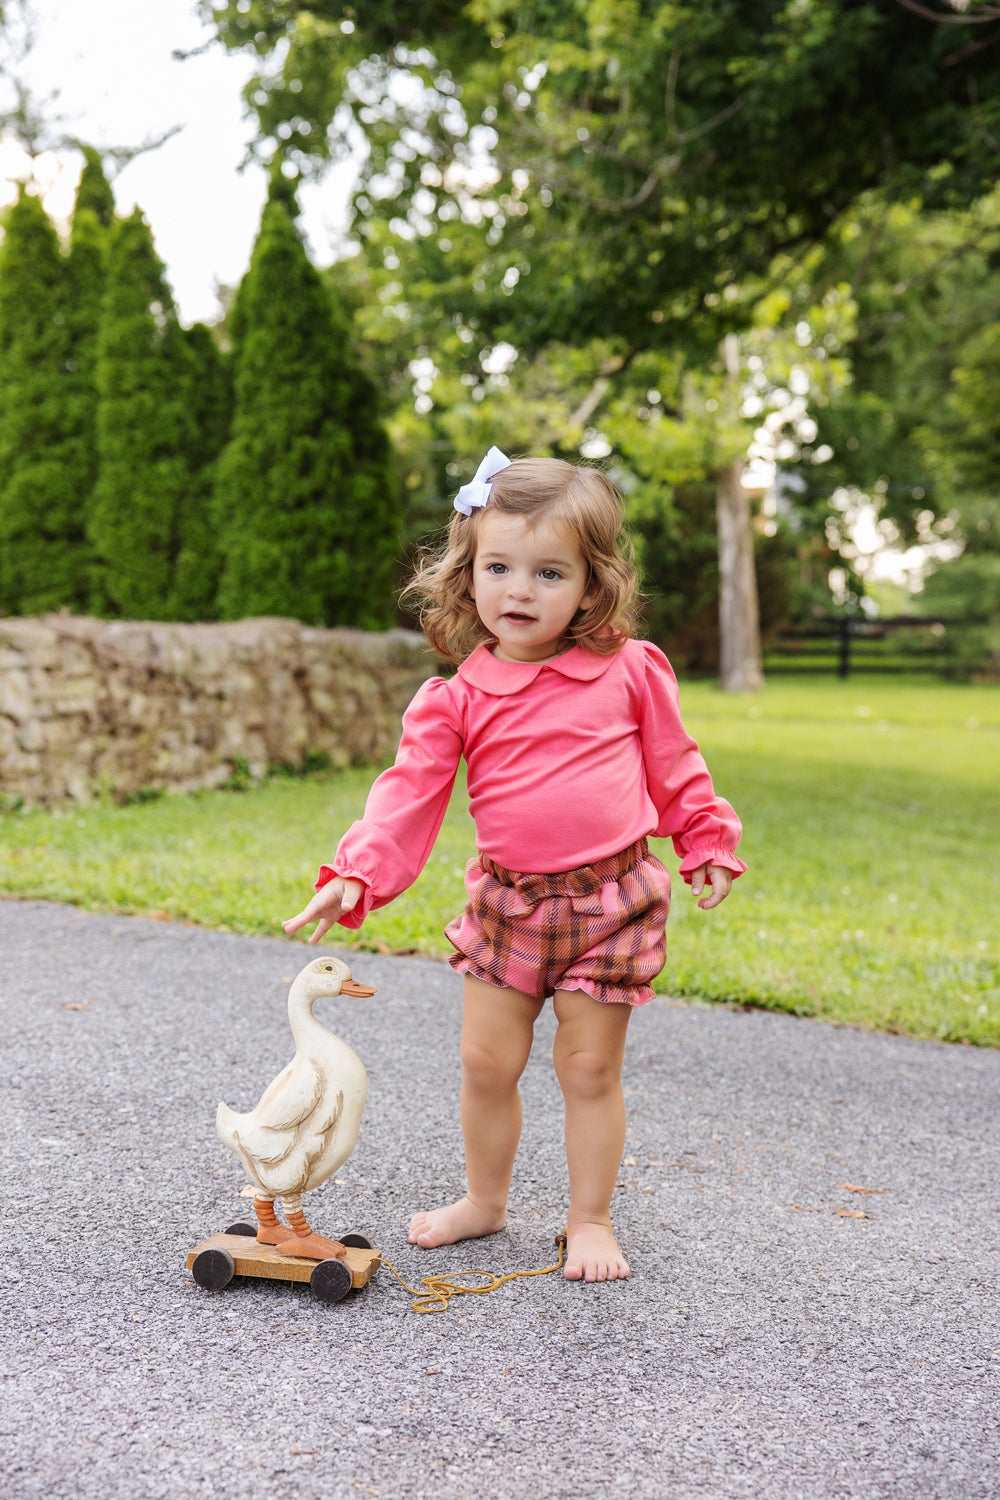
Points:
(576, 752)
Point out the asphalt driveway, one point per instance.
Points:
(782, 1335)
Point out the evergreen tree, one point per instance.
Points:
(305, 495)
(93, 214)
(86, 275)
(199, 560)
(93, 194)
(43, 555)
(145, 433)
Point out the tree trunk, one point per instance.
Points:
(740, 665)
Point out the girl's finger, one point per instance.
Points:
(300, 918)
(322, 926)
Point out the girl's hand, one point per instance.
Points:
(718, 877)
(330, 902)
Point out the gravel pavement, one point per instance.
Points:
(780, 1337)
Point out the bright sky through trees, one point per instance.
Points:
(110, 64)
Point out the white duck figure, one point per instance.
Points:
(306, 1123)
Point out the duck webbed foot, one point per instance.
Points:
(270, 1230)
(301, 1240)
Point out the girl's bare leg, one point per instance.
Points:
(588, 1052)
(496, 1039)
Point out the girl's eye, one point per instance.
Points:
(549, 574)
(496, 568)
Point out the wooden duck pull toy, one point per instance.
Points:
(304, 1126)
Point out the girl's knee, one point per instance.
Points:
(489, 1067)
(589, 1044)
(587, 1072)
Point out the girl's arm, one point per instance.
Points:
(382, 854)
(704, 828)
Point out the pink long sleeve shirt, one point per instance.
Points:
(568, 760)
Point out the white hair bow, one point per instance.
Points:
(476, 493)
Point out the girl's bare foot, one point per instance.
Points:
(464, 1220)
(592, 1254)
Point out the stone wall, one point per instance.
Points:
(92, 707)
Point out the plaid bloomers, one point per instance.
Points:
(599, 928)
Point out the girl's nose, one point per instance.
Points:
(519, 586)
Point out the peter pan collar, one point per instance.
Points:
(483, 670)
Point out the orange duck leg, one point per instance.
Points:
(302, 1241)
(270, 1230)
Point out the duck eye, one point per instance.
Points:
(328, 968)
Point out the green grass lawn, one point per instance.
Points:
(872, 819)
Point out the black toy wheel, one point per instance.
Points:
(331, 1280)
(242, 1228)
(356, 1241)
(213, 1269)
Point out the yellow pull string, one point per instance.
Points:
(439, 1289)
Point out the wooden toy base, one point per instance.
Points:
(218, 1259)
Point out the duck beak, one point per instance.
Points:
(359, 991)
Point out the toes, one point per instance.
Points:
(423, 1233)
(596, 1271)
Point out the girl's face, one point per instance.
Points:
(527, 583)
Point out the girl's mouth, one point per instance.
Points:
(518, 619)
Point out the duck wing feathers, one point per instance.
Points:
(296, 1114)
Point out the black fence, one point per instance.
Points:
(846, 644)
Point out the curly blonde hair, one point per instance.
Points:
(580, 499)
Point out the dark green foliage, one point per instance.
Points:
(925, 291)
(966, 594)
(969, 587)
(305, 496)
(670, 150)
(86, 274)
(43, 485)
(918, 429)
(972, 436)
(93, 194)
(145, 433)
(965, 453)
(86, 282)
(653, 163)
(678, 557)
(241, 778)
(209, 402)
(113, 419)
(142, 796)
